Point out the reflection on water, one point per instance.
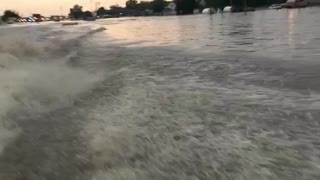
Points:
(291, 17)
(261, 32)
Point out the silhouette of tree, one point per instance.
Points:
(9, 14)
(115, 7)
(185, 6)
(155, 5)
(76, 12)
(131, 4)
(158, 5)
(218, 4)
(101, 11)
(144, 5)
(87, 14)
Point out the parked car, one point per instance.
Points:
(31, 20)
(295, 4)
(23, 20)
(12, 20)
(38, 18)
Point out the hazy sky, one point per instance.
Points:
(50, 7)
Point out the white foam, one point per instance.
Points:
(32, 83)
(208, 130)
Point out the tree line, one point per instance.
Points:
(76, 12)
(187, 6)
(157, 6)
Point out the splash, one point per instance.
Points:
(32, 83)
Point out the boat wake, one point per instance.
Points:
(154, 113)
(32, 82)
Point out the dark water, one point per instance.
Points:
(180, 98)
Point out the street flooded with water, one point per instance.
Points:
(221, 97)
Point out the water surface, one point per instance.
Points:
(221, 97)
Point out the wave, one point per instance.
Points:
(33, 82)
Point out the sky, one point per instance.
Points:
(51, 7)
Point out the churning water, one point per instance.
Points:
(162, 98)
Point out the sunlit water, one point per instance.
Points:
(200, 97)
(262, 33)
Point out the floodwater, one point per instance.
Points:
(222, 97)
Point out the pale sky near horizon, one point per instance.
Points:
(51, 7)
